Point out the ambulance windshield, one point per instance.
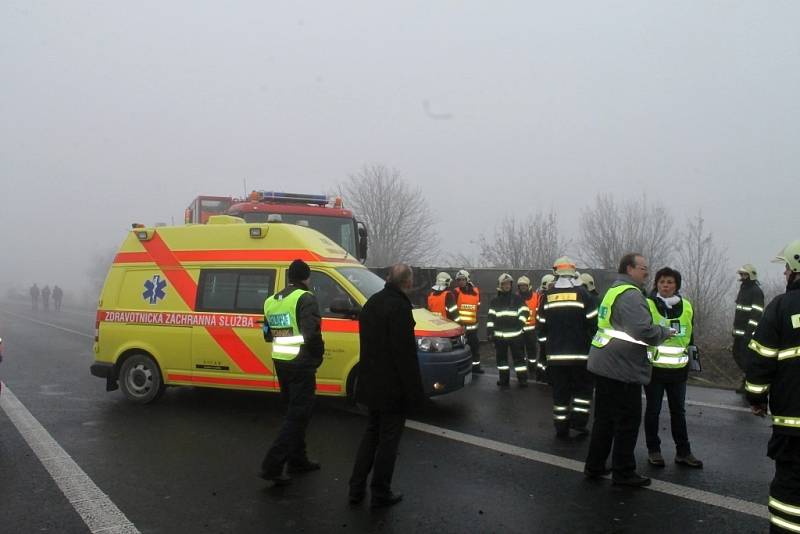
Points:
(365, 280)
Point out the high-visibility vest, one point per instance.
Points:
(605, 331)
(468, 308)
(280, 313)
(672, 353)
(533, 305)
(437, 303)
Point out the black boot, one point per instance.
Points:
(503, 379)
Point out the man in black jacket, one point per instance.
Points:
(749, 307)
(774, 375)
(292, 325)
(389, 384)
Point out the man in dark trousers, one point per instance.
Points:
(292, 325)
(749, 307)
(389, 384)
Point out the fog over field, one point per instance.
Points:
(113, 113)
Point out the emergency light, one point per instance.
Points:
(289, 198)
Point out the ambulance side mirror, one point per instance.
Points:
(362, 241)
(345, 307)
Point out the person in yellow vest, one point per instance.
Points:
(468, 300)
(670, 369)
(292, 325)
(530, 300)
(441, 299)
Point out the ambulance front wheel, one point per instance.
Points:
(140, 379)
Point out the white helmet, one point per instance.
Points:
(564, 266)
(749, 270)
(790, 256)
(524, 280)
(587, 280)
(505, 277)
(463, 273)
(546, 281)
(442, 281)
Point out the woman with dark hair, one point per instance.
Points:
(670, 362)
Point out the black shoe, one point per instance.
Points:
(633, 479)
(388, 500)
(477, 370)
(655, 458)
(277, 479)
(596, 473)
(502, 383)
(306, 467)
(580, 430)
(523, 383)
(562, 433)
(690, 460)
(355, 498)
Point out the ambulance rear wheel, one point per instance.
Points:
(140, 379)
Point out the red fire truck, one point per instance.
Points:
(319, 212)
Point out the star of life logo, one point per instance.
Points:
(154, 290)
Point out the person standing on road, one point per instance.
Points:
(292, 325)
(389, 384)
(34, 292)
(773, 376)
(46, 297)
(749, 307)
(468, 299)
(542, 375)
(58, 295)
(567, 321)
(670, 369)
(618, 360)
(530, 300)
(441, 300)
(507, 317)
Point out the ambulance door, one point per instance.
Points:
(340, 332)
(228, 347)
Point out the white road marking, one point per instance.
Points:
(94, 506)
(51, 325)
(684, 492)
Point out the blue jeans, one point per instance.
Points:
(676, 397)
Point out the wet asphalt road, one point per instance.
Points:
(187, 463)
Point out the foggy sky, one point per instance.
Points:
(117, 112)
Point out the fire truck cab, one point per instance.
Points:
(319, 212)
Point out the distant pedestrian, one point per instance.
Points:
(58, 295)
(530, 343)
(292, 324)
(34, 292)
(749, 307)
(46, 297)
(507, 316)
(773, 376)
(618, 359)
(389, 384)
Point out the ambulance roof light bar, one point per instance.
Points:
(289, 198)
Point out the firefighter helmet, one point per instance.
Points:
(564, 266)
(505, 277)
(524, 280)
(790, 256)
(588, 281)
(442, 281)
(463, 273)
(546, 281)
(749, 270)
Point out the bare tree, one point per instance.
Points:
(529, 243)
(707, 280)
(609, 229)
(399, 220)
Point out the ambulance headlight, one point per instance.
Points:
(434, 344)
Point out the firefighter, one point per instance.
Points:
(441, 300)
(541, 357)
(507, 316)
(530, 300)
(588, 282)
(773, 376)
(749, 307)
(468, 300)
(567, 320)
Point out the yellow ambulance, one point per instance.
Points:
(183, 306)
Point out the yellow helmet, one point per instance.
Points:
(505, 277)
(790, 256)
(587, 280)
(564, 266)
(524, 280)
(749, 270)
(546, 281)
